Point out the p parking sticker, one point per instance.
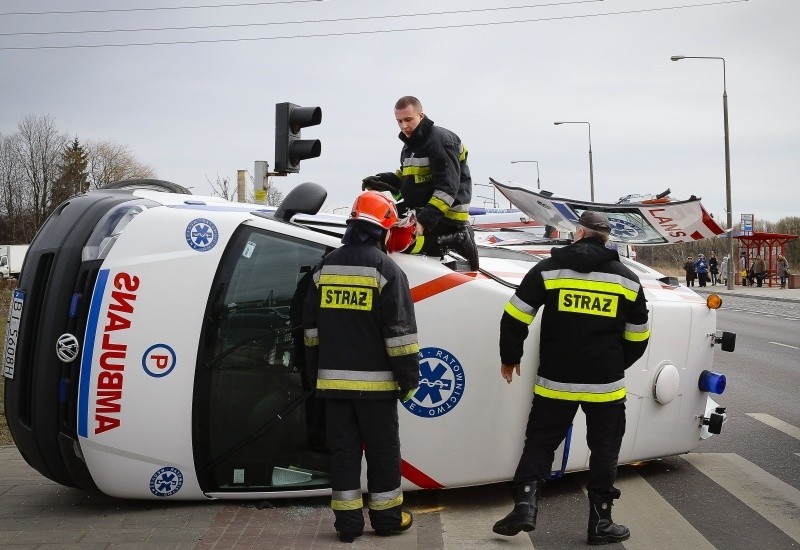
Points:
(166, 482)
(159, 360)
(201, 234)
(441, 384)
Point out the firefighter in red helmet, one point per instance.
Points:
(360, 335)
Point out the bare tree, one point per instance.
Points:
(110, 161)
(38, 150)
(222, 188)
(11, 192)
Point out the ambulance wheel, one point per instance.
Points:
(149, 184)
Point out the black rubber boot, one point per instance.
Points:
(461, 241)
(602, 529)
(523, 516)
(406, 520)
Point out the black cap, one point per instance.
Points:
(595, 220)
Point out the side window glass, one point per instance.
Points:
(250, 393)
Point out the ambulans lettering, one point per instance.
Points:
(346, 297)
(441, 384)
(592, 303)
(113, 353)
(666, 224)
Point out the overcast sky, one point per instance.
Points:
(193, 110)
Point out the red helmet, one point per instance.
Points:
(374, 207)
(402, 234)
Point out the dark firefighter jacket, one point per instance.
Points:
(359, 328)
(434, 176)
(594, 324)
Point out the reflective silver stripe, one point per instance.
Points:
(444, 197)
(416, 161)
(630, 327)
(520, 305)
(384, 501)
(580, 388)
(311, 333)
(346, 495)
(372, 376)
(633, 286)
(460, 208)
(401, 340)
(351, 270)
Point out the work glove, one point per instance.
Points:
(385, 181)
(406, 395)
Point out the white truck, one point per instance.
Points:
(11, 258)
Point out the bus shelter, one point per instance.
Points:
(768, 246)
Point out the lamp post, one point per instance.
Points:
(487, 199)
(591, 169)
(727, 162)
(538, 183)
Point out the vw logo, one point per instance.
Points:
(67, 347)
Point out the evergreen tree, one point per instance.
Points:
(72, 173)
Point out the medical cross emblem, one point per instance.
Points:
(431, 382)
(441, 384)
(166, 482)
(201, 234)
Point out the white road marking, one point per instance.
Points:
(776, 501)
(653, 521)
(785, 345)
(777, 423)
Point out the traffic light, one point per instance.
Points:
(289, 148)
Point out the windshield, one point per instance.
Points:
(255, 426)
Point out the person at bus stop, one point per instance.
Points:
(743, 268)
(782, 267)
(688, 267)
(360, 336)
(713, 268)
(594, 326)
(759, 270)
(434, 181)
(723, 270)
(701, 268)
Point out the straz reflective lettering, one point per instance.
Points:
(346, 297)
(113, 354)
(593, 303)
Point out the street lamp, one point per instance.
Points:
(727, 162)
(487, 199)
(538, 183)
(591, 170)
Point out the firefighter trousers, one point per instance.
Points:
(373, 423)
(548, 424)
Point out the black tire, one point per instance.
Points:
(149, 184)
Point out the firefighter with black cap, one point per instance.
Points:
(594, 326)
(360, 335)
(434, 181)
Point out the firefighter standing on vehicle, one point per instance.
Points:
(594, 326)
(362, 352)
(434, 181)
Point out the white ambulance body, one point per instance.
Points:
(186, 381)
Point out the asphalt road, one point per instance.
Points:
(738, 490)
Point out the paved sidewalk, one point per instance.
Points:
(763, 293)
(36, 513)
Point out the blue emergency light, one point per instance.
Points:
(711, 382)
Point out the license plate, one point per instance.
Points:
(12, 334)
